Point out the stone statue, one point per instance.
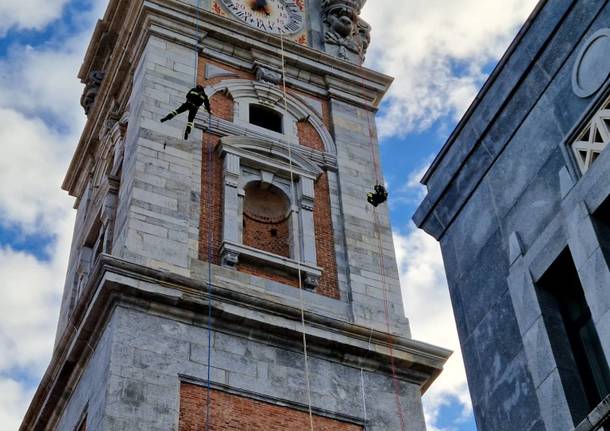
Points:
(346, 35)
(92, 86)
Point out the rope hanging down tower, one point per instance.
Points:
(297, 249)
(210, 231)
(375, 199)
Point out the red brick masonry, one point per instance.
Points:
(236, 413)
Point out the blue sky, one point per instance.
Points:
(440, 53)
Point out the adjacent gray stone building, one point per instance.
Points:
(519, 199)
(142, 323)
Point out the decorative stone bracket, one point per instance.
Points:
(92, 87)
(231, 253)
(266, 74)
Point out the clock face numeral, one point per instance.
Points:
(272, 16)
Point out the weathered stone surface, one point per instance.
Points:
(505, 199)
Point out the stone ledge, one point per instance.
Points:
(232, 252)
(599, 417)
(115, 281)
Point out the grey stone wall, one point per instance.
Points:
(354, 132)
(504, 199)
(91, 394)
(150, 352)
(132, 382)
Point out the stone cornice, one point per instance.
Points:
(118, 282)
(225, 39)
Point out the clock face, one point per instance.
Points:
(272, 16)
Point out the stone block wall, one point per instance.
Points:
(155, 360)
(504, 199)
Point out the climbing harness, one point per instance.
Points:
(297, 249)
(379, 196)
(194, 99)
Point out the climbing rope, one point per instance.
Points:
(297, 247)
(210, 247)
(207, 142)
(386, 306)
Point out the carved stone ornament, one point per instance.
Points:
(267, 75)
(592, 66)
(311, 281)
(92, 87)
(230, 258)
(346, 35)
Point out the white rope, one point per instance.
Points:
(297, 245)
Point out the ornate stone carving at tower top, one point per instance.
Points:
(346, 35)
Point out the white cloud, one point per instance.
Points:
(13, 398)
(28, 14)
(437, 50)
(428, 306)
(40, 123)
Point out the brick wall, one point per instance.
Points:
(325, 242)
(236, 413)
(308, 136)
(214, 208)
(271, 237)
(268, 273)
(266, 226)
(222, 106)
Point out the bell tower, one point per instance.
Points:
(236, 280)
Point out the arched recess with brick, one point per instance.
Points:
(244, 92)
(306, 238)
(266, 218)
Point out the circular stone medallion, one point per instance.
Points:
(592, 65)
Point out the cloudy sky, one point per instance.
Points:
(440, 52)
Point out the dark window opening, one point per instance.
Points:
(601, 221)
(266, 117)
(578, 352)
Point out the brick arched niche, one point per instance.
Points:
(269, 186)
(266, 218)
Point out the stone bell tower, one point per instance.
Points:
(237, 280)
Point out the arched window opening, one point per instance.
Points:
(266, 118)
(266, 219)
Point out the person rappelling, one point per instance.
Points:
(379, 196)
(194, 99)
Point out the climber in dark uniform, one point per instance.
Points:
(194, 99)
(378, 197)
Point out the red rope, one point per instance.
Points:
(395, 380)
